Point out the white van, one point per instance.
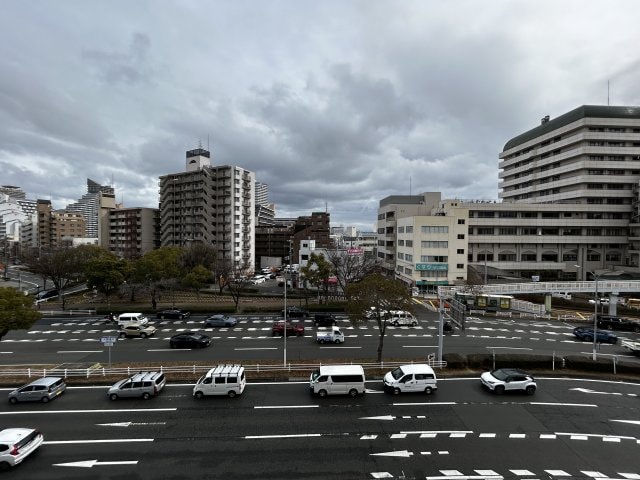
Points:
(129, 318)
(411, 378)
(337, 380)
(226, 380)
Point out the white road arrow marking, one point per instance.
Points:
(396, 453)
(381, 417)
(91, 463)
(128, 424)
(587, 390)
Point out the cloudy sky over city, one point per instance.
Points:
(334, 104)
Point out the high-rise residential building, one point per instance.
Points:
(209, 204)
(570, 208)
(94, 206)
(58, 227)
(133, 231)
(262, 193)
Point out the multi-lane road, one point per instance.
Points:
(568, 429)
(64, 340)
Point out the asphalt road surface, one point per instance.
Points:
(63, 340)
(569, 429)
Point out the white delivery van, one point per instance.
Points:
(337, 380)
(129, 318)
(226, 380)
(411, 378)
(400, 318)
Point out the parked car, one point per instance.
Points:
(293, 328)
(16, 444)
(132, 330)
(508, 379)
(611, 322)
(295, 312)
(143, 384)
(173, 313)
(40, 390)
(602, 336)
(220, 321)
(190, 340)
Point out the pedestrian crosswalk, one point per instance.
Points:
(489, 474)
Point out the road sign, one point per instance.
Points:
(110, 340)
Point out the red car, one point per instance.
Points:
(293, 328)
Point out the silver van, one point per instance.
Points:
(411, 378)
(40, 390)
(337, 380)
(226, 380)
(129, 318)
(143, 384)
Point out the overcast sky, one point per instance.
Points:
(334, 104)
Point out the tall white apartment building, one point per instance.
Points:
(209, 204)
(94, 206)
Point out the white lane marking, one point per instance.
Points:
(128, 424)
(587, 390)
(419, 346)
(633, 422)
(379, 417)
(487, 435)
(168, 349)
(119, 410)
(509, 348)
(558, 473)
(395, 453)
(341, 348)
(460, 433)
(257, 348)
(285, 406)
(381, 475)
(80, 351)
(91, 463)
(108, 440)
(6, 353)
(422, 403)
(522, 473)
(564, 404)
(299, 435)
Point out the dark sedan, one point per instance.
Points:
(173, 313)
(602, 336)
(190, 340)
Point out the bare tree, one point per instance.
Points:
(351, 268)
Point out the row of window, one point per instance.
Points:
(544, 257)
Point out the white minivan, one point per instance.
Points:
(129, 318)
(337, 380)
(411, 378)
(226, 380)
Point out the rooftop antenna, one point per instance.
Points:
(409, 184)
(208, 143)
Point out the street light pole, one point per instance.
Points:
(595, 317)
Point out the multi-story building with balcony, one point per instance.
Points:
(133, 231)
(94, 206)
(209, 204)
(57, 228)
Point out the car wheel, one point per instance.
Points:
(396, 324)
(397, 391)
(146, 396)
(13, 400)
(172, 345)
(321, 340)
(161, 317)
(316, 324)
(322, 393)
(4, 466)
(414, 324)
(123, 335)
(353, 392)
(588, 339)
(530, 390)
(636, 329)
(610, 327)
(199, 395)
(428, 390)
(113, 397)
(337, 340)
(231, 394)
(143, 335)
(499, 389)
(44, 399)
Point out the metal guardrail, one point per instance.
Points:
(100, 371)
(67, 313)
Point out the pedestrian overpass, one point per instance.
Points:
(600, 287)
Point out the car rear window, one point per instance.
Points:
(28, 439)
(160, 379)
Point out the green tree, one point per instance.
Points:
(374, 297)
(16, 311)
(158, 270)
(106, 274)
(197, 278)
(317, 272)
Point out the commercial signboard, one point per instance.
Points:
(432, 266)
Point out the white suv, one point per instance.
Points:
(503, 379)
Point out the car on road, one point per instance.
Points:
(142, 384)
(508, 379)
(400, 318)
(324, 320)
(611, 322)
(602, 336)
(173, 313)
(190, 340)
(226, 380)
(220, 321)
(40, 390)
(138, 331)
(16, 444)
(131, 319)
(293, 328)
(295, 312)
